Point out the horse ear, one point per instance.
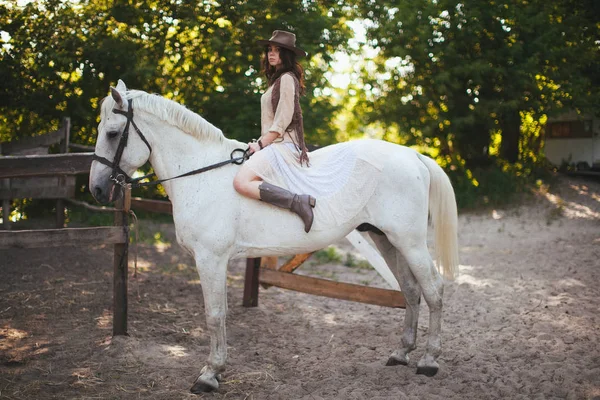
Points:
(116, 96)
(121, 86)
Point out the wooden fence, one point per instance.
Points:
(68, 165)
(37, 187)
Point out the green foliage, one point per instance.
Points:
(333, 255)
(495, 185)
(328, 255)
(456, 72)
(59, 58)
(470, 82)
(352, 262)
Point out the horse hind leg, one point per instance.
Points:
(412, 295)
(431, 283)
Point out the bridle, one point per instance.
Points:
(120, 177)
(117, 175)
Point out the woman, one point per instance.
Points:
(281, 146)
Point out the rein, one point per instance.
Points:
(121, 178)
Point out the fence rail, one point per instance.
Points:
(27, 239)
(45, 165)
(333, 289)
(82, 147)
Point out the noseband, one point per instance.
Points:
(121, 178)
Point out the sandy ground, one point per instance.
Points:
(521, 321)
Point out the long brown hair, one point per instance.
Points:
(289, 64)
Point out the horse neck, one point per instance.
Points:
(175, 152)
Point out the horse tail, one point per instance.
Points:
(444, 216)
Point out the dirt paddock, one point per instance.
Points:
(521, 321)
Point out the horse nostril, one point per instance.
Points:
(97, 192)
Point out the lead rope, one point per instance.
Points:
(135, 253)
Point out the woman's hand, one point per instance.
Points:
(254, 147)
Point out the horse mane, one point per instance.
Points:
(172, 112)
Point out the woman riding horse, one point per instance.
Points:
(281, 145)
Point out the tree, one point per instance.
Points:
(59, 58)
(456, 72)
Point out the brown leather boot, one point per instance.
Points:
(301, 204)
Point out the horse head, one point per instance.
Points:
(121, 147)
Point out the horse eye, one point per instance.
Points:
(112, 134)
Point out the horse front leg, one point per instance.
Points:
(213, 278)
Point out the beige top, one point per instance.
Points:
(279, 121)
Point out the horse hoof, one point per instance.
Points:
(394, 360)
(397, 358)
(204, 386)
(427, 371)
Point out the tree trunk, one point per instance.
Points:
(473, 145)
(510, 124)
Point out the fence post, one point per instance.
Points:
(251, 282)
(64, 148)
(120, 262)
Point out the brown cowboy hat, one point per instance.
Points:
(284, 39)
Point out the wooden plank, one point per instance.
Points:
(44, 187)
(120, 265)
(159, 206)
(270, 263)
(32, 151)
(81, 147)
(336, 290)
(44, 140)
(61, 237)
(251, 282)
(51, 164)
(591, 173)
(295, 262)
(66, 128)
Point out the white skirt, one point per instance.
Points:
(339, 178)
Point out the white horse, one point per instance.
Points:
(215, 224)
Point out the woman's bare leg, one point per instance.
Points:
(246, 183)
